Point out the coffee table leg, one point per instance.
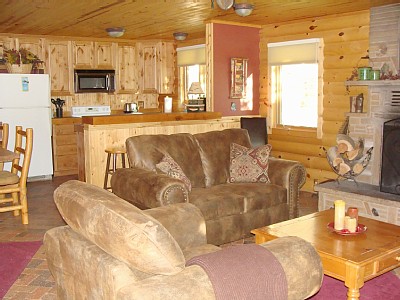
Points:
(354, 281)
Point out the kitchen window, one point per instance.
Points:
(192, 68)
(295, 69)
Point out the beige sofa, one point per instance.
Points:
(112, 250)
(231, 210)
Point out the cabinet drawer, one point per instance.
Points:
(390, 261)
(66, 149)
(68, 139)
(66, 162)
(63, 129)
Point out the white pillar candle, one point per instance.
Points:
(340, 206)
(352, 224)
(167, 104)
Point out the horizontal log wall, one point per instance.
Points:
(346, 40)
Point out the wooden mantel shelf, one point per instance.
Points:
(149, 117)
(373, 82)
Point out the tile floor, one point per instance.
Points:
(36, 282)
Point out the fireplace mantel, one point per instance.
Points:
(373, 83)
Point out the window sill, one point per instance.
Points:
(295, 131)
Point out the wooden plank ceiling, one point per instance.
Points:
(155, 19)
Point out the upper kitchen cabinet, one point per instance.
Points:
(147, 56)
(59, 66)
(166, 61)
(156, 67)
(94, 55)
(127, 69)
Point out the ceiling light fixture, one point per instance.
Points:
(243, 9)
(115, 31)
(180, 36)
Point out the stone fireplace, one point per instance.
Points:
(382, 102)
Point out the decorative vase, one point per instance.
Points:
(19, 69)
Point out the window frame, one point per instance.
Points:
(274, 107)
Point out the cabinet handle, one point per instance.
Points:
(375, 212)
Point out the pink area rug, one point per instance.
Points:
(14, 257)
(386, 286)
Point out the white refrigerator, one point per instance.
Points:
(25, 101)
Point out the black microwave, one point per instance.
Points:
(94, 81)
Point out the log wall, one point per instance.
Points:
(346, 40)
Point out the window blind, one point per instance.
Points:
(192, 55)
(293, 52)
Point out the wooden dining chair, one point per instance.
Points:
(13, 182)
(3, 139)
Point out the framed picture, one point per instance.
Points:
(238, 77)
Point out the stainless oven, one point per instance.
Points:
(94, 81)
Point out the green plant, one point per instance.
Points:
(21, 56)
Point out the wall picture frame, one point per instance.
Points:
(238, 77)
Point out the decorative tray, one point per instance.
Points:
(360, 229)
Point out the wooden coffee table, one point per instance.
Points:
(353, 259)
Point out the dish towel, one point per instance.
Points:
(246, 271)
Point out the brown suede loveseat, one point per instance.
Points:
(231, 207)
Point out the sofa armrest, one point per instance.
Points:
(292, 176)
(147, 189)
(184, 222)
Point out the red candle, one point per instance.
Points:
(352, 212)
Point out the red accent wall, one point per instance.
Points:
(235, 41)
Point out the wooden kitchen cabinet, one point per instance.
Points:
(94, 55)
(65, 155)
(147, 62)
(156, 67)
(59, 66)
(127, 69)
(166, 59)
(105, 55)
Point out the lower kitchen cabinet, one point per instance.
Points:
(65, 155)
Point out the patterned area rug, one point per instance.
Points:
(14, 257)
(386, 286)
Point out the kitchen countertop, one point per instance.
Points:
(122, 118)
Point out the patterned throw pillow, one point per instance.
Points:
(170, 167)
(249, 164)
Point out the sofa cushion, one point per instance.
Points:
(249, 164)
(169, 166)
(119, 228)
(215, 152)
(236, 198)
(145, 151)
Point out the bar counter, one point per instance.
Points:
(123, 118)
(96, 133)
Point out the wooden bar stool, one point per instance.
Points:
(110, 169)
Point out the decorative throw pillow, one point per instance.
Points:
(249, 164)
(170, 167)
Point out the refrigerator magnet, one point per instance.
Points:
(25, 84)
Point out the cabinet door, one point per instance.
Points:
(166, 59)
(83, 55)
(148, 67)
(59, 66)
(127, 75)
(104, 55)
